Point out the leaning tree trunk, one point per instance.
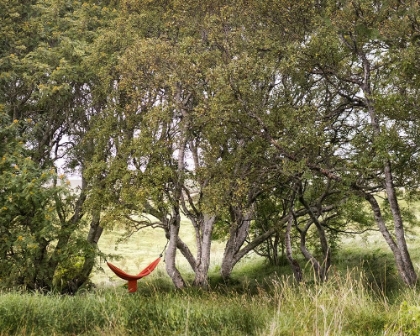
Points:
(320, 271)
(410, 276)
(399, 247)
(170, 255)
(234, 255)
(237, 236)
(405, 270)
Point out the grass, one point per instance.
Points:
(342, 306)
(363, 296)
(115, 312)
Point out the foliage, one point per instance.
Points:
(47, 85)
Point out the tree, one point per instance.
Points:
(31, 204)
(345, 64)
(308, 103)
(360, 74)
(45, 79)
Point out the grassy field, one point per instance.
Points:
(362, 297)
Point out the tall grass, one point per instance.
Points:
(345, 305)
(342, 306)
(363, 296)
(115, 312)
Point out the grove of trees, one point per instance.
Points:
(275, 125)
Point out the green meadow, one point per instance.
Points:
(363, 296)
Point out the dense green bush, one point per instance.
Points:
(35, 214)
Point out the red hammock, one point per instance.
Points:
(132, 279)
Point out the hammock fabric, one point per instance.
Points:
(132, 279)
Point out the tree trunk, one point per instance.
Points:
(175, 221)
(401, 254)
(306, 253)
(204, 230)
(186, 252)
(410, 273)
(93, 237)
(408, 276)
(241, 252)
(321, 269)
(38, 278)
(237, 236)
(273, 249)
(170, 255)
(297, 270)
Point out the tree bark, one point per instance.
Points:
(170, 255)
(175, 222)
(410, 273)
(294, 264)
(321, 269)
(204, 230)
(68, 227)
(237, 236)
(408, 276)
(186, 252)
